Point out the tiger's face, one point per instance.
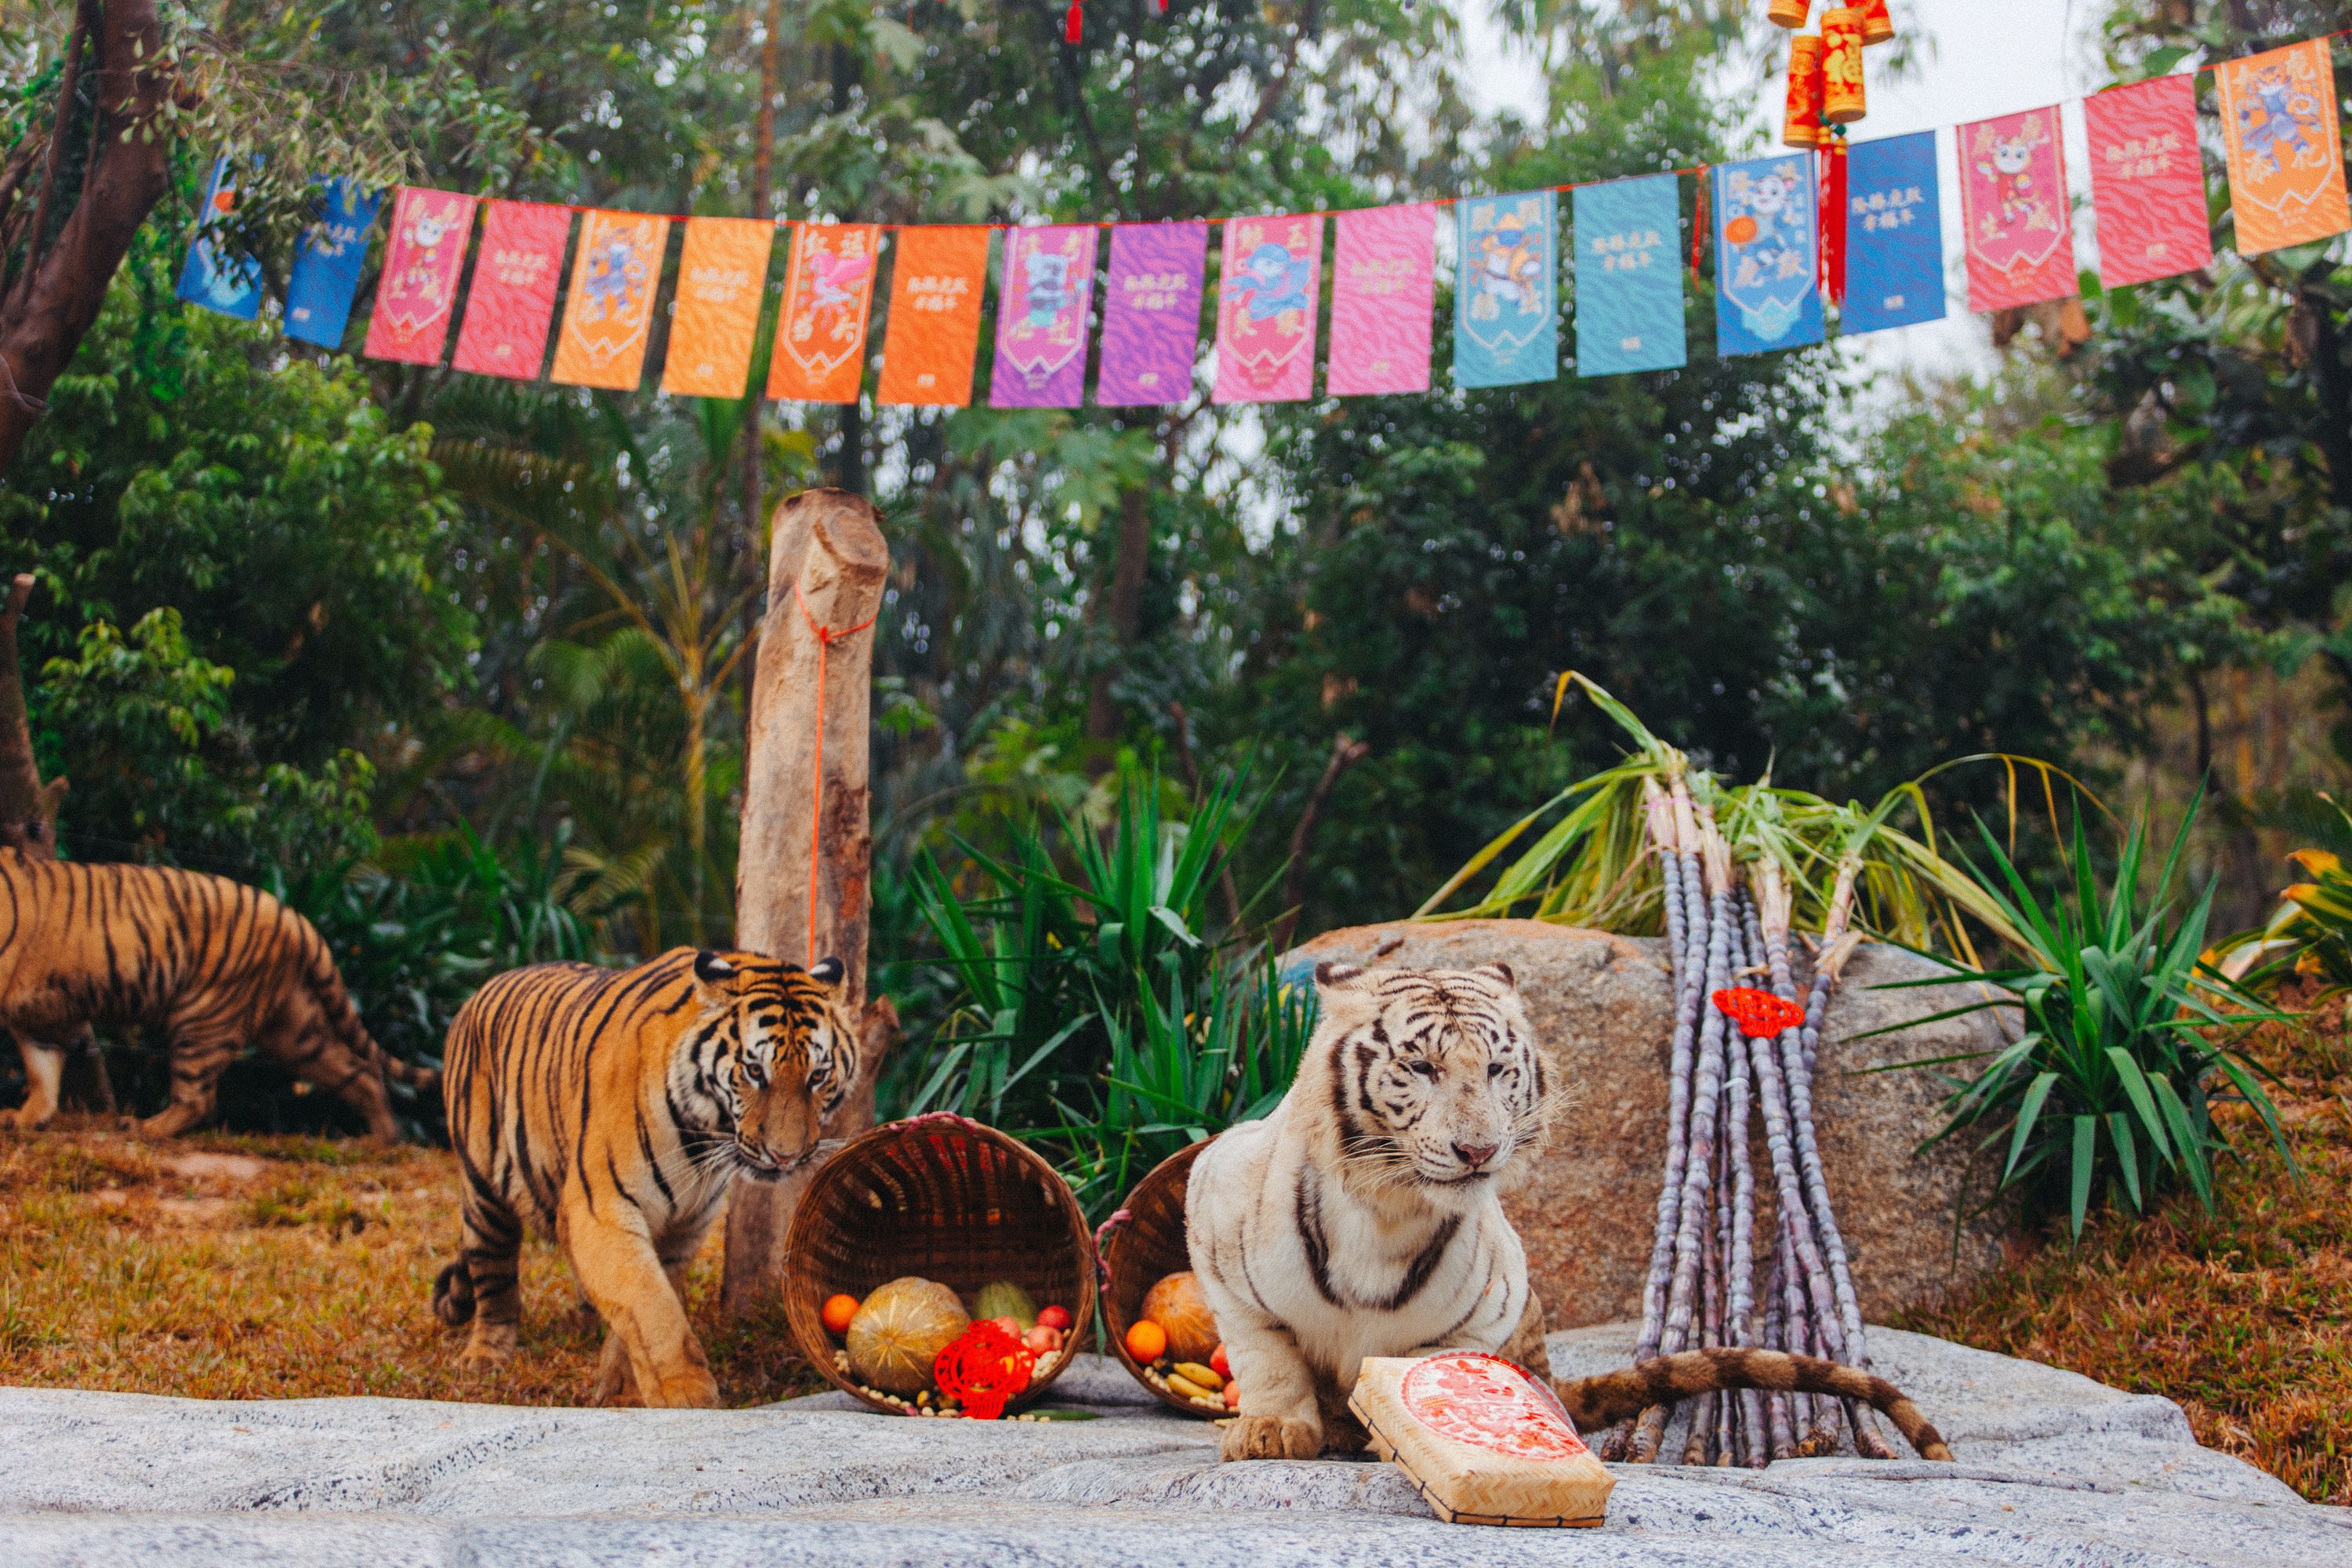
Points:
(773, 1057)
(1435, 1081)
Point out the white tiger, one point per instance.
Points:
(1364, 1217)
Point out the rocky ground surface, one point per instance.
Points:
(2051, 1469)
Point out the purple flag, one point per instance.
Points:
(1152, 313)
(1383, 286)
(1041, 317)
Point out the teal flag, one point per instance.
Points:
(1629, 277)
(1506, 304)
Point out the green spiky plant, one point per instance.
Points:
(1593, 866)
(1100, 1013)
(2126, 1044)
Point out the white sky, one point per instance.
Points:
(1977, 58)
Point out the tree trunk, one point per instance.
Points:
(1125, 608)
(28, 809)
(45, 320)
(1346, 752)
(807, 741)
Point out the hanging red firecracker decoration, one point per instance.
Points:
(1877, 25)
(1834, 218)
(1789, 13)
(1074, 26)
(1843, 102)
(1801, 125)
(984, 1368)
(1760, 1014)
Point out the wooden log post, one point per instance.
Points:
(805, 864)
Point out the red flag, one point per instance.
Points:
(512, 300)
(2019, 234)
(2147, 182)
(417, 289)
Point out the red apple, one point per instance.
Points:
(1042, 1339)
(1054, 1318)
(1219, 1364)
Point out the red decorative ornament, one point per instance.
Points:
(1074, 26)
(983, 1370)
(1760, 1014)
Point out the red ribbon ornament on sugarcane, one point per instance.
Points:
(1760, 1014)
(983, 1369)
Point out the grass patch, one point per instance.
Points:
(225, 1267)
(2240, 1316)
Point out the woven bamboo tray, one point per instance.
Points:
(947, 1199)
(1139, 1246)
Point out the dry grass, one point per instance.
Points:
(242, 1267)
(2245, 1316)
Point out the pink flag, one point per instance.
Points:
(418, 288)
(1383, 286)
(2019, 234)
(1265, 309)
(2147, 182)
(513, 298)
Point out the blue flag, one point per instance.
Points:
(327, 264)
(1506, 303)
(1894, 235)
(228, 284)
(1629, 277)
(1768, 290)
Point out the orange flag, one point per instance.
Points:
(612, 282)
(720, 275)
(934, 332)
(2287, 163)
(819, 355)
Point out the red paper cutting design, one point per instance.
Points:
(1760, 1014)
(983, 1370)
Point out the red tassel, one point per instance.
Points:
(1833, 220)
(1074, 26)
(1698, 228)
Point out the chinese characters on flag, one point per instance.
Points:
(933, 336)
(2147, 183)
(820, 355)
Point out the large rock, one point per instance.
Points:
(2053, 1472)
(1604, 1006)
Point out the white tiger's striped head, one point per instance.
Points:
(1436, 1081)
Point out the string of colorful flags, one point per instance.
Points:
(1778, 266)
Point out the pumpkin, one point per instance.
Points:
(901, 1331)
(1177, 1305)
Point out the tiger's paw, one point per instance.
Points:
(1270, 1437)
(494, 1347)
(690, 1388)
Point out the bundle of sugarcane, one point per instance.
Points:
(1727, 873)
(1727, 923)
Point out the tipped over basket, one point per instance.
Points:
(946, 1199)
(1139, 1246)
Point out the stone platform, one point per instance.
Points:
(2052, 1469)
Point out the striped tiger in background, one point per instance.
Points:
(1363, 1217)
(612, 1109)
(217, 965)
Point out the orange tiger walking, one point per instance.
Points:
(215, 964)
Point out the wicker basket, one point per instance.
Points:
(1139, 1246)
(947, 1199)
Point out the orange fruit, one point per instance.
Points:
(838, 1310)
(1740, 230)
(1147, 1341)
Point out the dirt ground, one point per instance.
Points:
(245, 1268)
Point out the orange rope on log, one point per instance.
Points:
(825, 638)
